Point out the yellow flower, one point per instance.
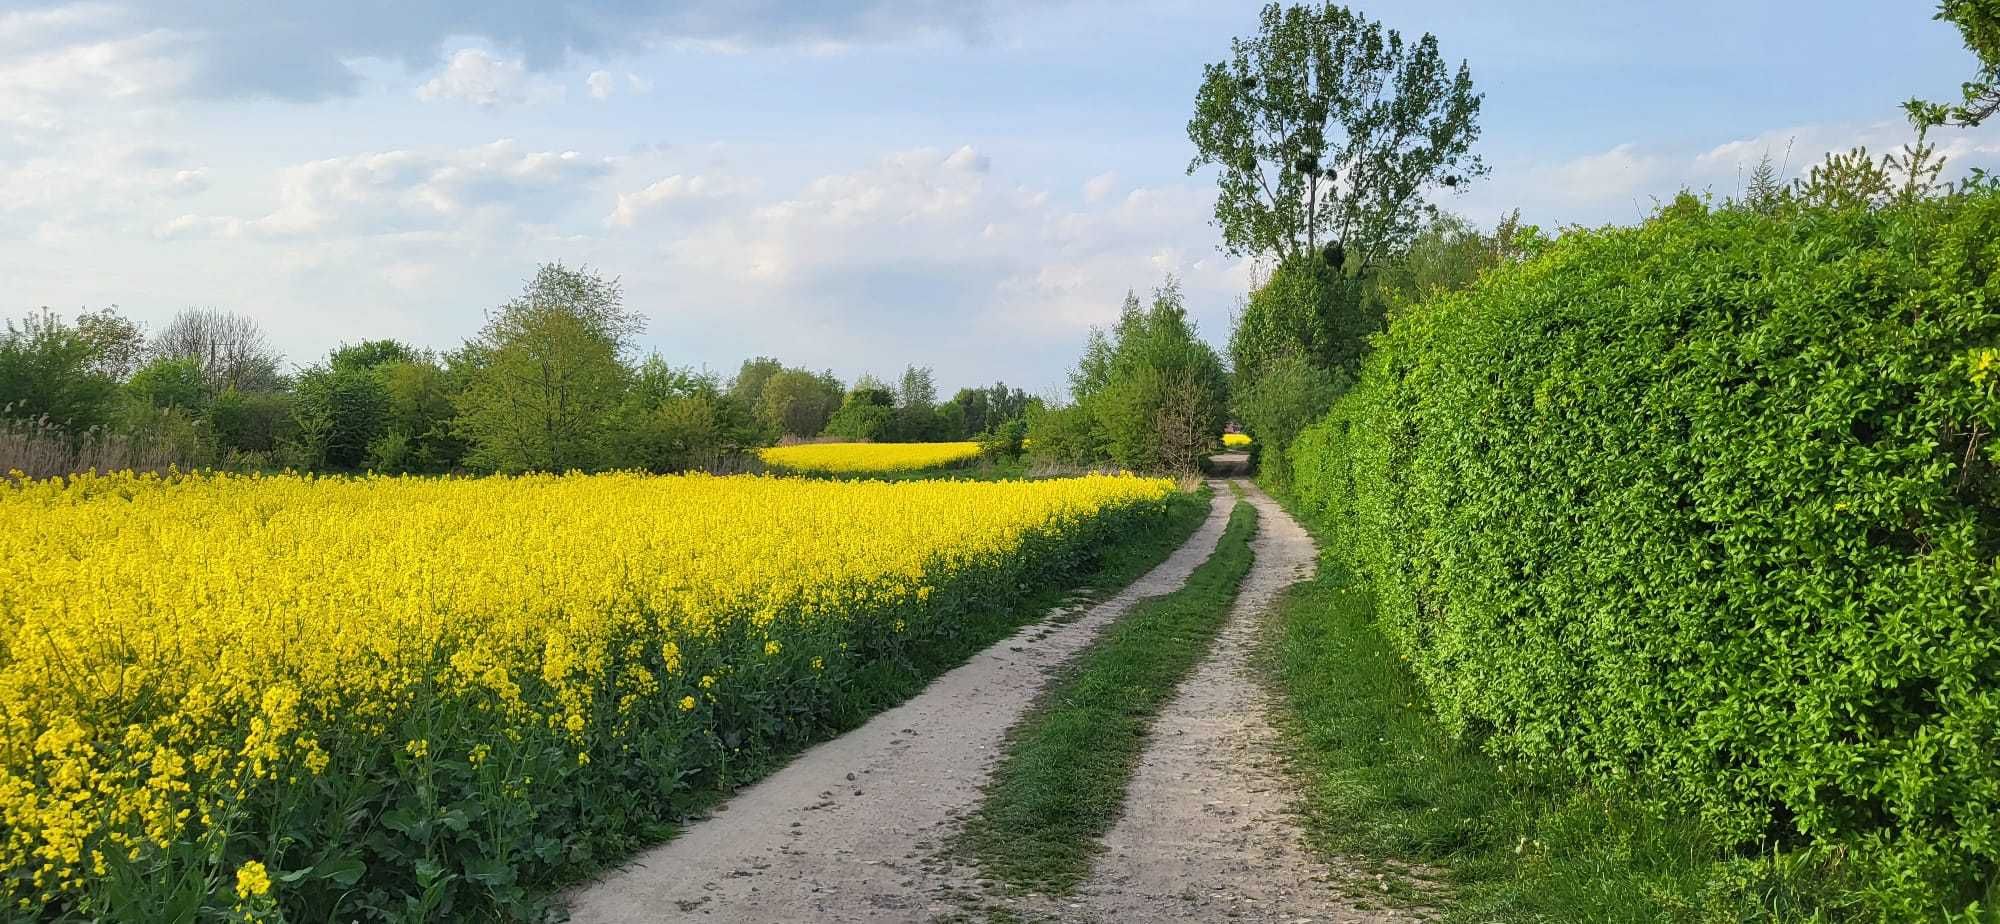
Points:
(868, 457)
(252, 880)
(286, 623)
(771, 649)
(818, 664)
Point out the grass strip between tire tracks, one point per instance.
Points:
(1061, 783)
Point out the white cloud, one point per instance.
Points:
(1623, 183)
(473, 76)
(966, 158)
(601, 84)
(188, 182)
(400, 191)
(1099, 186)
(638, 84)
(33, 28)
(931, 244)
(47, 90)
(676, 189)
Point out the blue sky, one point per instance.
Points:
(846, 184)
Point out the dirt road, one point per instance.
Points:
(853, 829)
(843, 832)
(1208, 833)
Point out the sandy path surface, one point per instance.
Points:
(844, 832)
(1208, 832)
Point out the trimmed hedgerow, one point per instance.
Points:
(1711, 506)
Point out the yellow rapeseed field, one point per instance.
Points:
(861, 458)
(216, 676)
(1236, 440)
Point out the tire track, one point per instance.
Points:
(846, 831)
(1208, 832)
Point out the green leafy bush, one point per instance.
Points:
(1711, 506)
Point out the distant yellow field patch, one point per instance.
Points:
(869, 457)
(1236, 440)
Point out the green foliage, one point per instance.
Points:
(1388, 788)
(1301, 335)
(1150, 394)
(1451, 254)
(676, 419)
(794, 402)
(1068, 435)
(1978, 21)
(1005, 441)
(418, 435)
(1307, 309)
(173, 433)
(1288, 396)
(54, 370)
(256, 421)
(1854, 180)
(168, 382)
(868, 414)
(369, 354)
(748, 385)
(979, 409)
(340, 414)
(549, 373)
(1328, 128)
(115, 340)
(1710, 506)
(231, 349)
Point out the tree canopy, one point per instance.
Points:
(1979, 98)
(1327, 128)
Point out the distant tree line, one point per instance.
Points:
(1147, 395)
(552, 382)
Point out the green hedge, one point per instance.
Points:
(1709, 505)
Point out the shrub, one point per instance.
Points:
(1710, 505)
(1066, 435)
(340, 414)
(1005, 441)
(254, 421)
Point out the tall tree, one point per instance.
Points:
(1328, 128)
(231, 348)
(748, 385)
(799, 403)
(551, 371)
(1157, 388)
(369, 354)
(119, 343)
(52, 369)
(917, 390)
(1979, 98)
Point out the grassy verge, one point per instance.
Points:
(1062, 782)
(1447, 826)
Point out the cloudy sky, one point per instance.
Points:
(845, 184)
